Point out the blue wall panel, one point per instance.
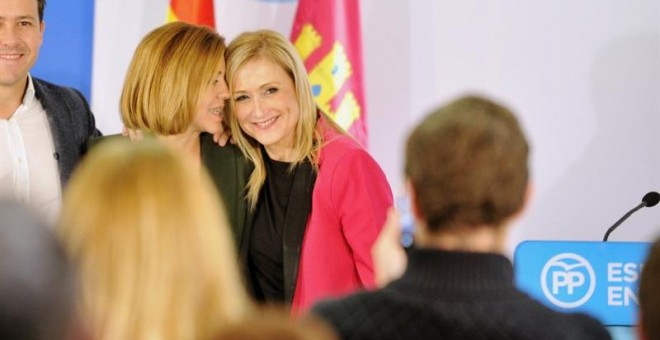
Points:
(66, 53)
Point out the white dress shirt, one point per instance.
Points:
(28, 168)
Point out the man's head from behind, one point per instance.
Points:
(36, 280)
(467, 164)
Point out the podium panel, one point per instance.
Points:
(598, 278)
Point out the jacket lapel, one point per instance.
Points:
(65, 157)
(300, 206)
(229, 171)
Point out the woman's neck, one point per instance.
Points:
(11, 98)
(186, 143)
(279, 153)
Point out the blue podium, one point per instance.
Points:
(598, 278)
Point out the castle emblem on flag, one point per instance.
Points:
(328, 76)
(327, 35)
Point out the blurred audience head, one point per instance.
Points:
(649, 295)
(36, 280)
(269, 323)
(467, 165)
(152, 245)
(168, 76)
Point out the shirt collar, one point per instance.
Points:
(29, 98)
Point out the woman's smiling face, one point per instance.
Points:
(211, 108)
(266, 106)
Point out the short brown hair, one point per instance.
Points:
(649, 296)
(467, 162)
(168, 74)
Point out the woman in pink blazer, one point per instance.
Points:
(318, 198)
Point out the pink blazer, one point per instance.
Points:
(349, 204)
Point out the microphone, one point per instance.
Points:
(650, 199)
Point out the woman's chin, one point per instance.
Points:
(212, 130)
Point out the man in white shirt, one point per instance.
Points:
(44, 128)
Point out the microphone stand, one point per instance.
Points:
(611, 229)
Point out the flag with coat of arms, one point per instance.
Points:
(328, 37)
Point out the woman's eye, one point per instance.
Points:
(271, 90)
(240, 98)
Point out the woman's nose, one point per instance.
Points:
(256, 107)
(223, 90)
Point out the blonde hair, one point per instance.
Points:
(152, 245)
(274, 323)
(307, 138)
(167, 76)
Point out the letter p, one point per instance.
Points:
(570, 280)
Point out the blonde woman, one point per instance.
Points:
(175, 89)
(152, 246)
(319, 199)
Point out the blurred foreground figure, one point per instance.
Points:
(152, 245)
(467, 173)
(649, 296)
(269, 323)
(36, 281)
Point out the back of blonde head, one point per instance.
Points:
(273, 323)
(170, 70)
(152, 245)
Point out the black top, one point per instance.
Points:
(266, 255)
(271, 264)
(454, 295)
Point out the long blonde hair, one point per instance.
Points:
(169, 72)
(152, 245)
(273, 46)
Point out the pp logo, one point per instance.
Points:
(568, 280)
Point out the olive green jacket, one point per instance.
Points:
(229, 170)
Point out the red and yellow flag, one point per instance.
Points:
(328, 37)
(198, 12)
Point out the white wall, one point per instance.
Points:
(584, 77)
